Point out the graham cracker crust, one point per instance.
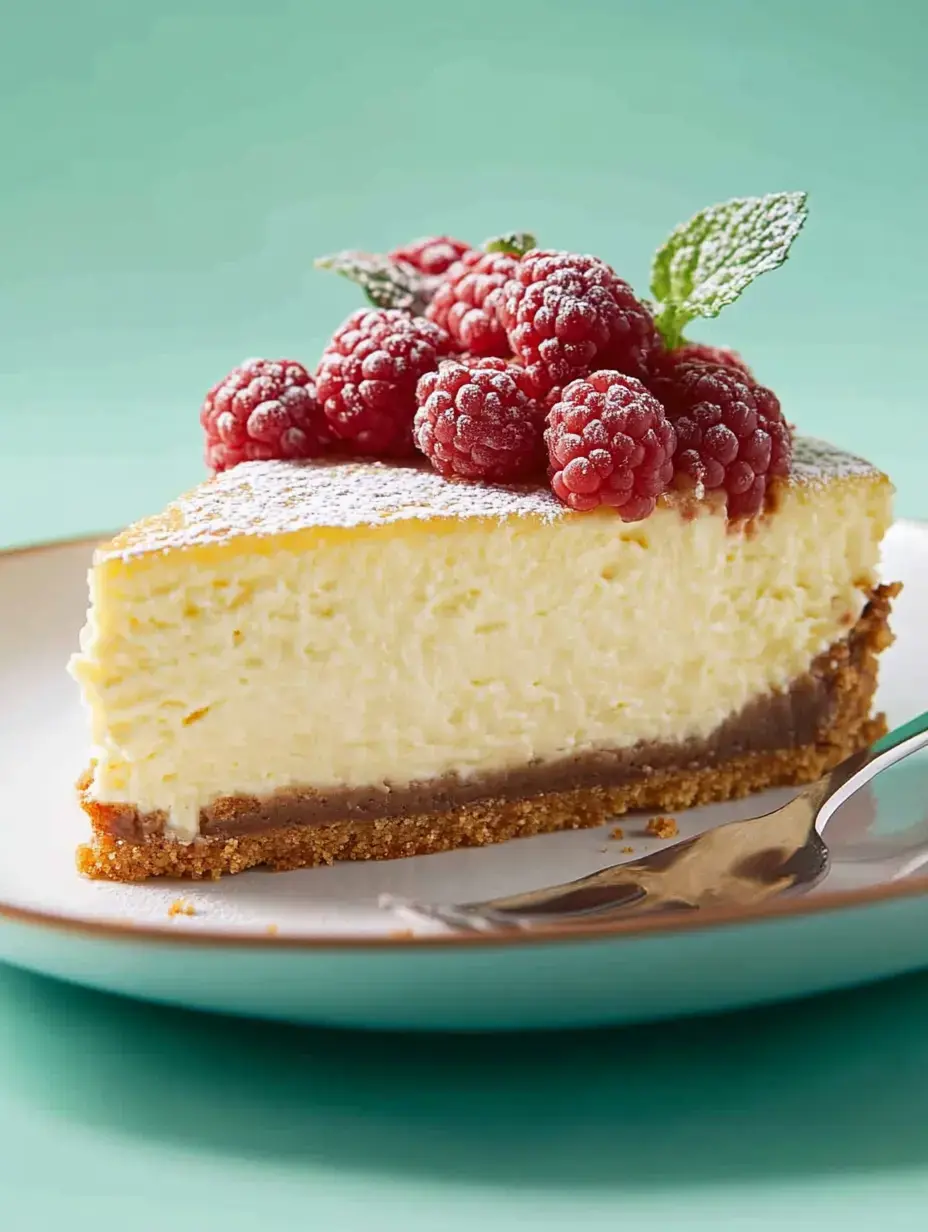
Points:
(837, 695)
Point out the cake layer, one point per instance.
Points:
(339, 628)
(787, 738)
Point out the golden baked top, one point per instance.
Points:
(266, 499)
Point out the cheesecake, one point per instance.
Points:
(518, 555)
(300, 662)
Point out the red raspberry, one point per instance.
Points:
(465, 302)
(497, 363)
(567, 312)
(610, 443)
(731, 434)
(266, 408)
(367, 378)
(665, 363)
(478, 421)
(533, 381)
(432, 255)
(702, 353)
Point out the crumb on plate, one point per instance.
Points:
(663, 827)
(180, 906)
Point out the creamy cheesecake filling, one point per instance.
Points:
(400, 652)
(775, 739)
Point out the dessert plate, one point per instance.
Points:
(313, 946)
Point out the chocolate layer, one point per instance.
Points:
(796, 717)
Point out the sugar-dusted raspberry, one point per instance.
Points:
(665, 363)
(569, 313)
(533, 378)
(367, 377)
(264, 409)
(479, 421)
(610, 443)
(497, 363)
(432, 255)
(534, 381)
(731, 434)
(701, 352)
(466, 302)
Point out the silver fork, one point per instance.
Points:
(738, 864)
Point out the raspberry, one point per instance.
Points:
(465, 302)
(478, 421)
(266, 408)
(665, 363)
(610, 443)
(432, 255)
(702, 353)
(533, 381)
(367, 377)
(567, 312)
(731, 434)
(497, 363)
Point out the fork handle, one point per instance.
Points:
(852, 774)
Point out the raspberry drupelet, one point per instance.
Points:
(432, 255)
(264, 409)
(610, 443)
(568, 313)
(478, 420)
(466, 302)
(731, 434)
(366, 379)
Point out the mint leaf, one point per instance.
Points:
(517, 243)
(707, 262)
(386, 283)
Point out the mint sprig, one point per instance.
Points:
(517, 243)
(386, 283)
(707, 262)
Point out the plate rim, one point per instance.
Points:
(635, 927)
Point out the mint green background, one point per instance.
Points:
(167, 172)
(119, 1116)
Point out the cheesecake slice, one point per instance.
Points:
(298, 663)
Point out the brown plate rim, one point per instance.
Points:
(636, 927)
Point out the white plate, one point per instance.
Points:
(313, 945)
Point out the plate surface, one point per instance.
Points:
(313, 946)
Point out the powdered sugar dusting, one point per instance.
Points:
(818, 462)
(276, 498)
(263, 499)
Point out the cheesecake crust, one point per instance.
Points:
(785, 739)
